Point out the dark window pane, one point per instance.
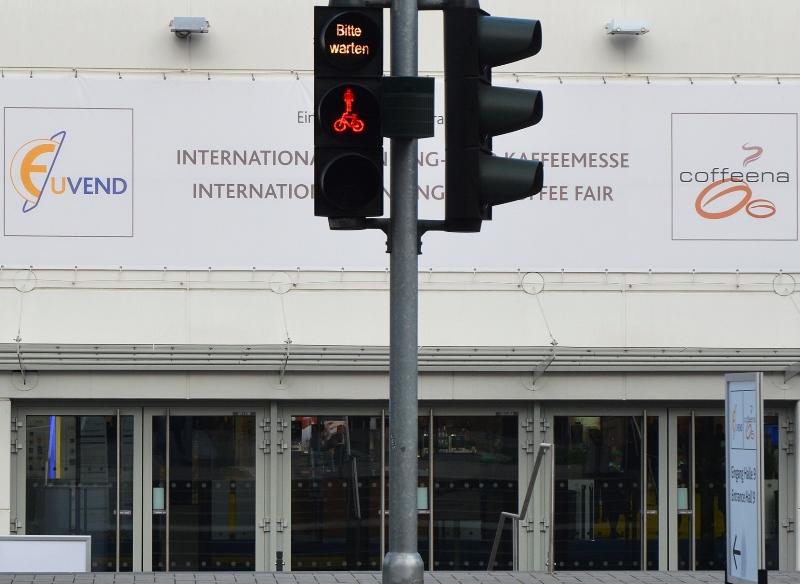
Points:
(71, 483)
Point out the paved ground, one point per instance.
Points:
(373, 577)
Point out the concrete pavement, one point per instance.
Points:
(375, 578)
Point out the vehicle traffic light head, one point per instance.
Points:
(348, 146)
(475, 111)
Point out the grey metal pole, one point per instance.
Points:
(403, 564)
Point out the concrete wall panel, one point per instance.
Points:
(710, 37)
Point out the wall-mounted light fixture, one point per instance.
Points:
(627, 26)
(183, 26)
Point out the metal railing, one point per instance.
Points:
(517, 517)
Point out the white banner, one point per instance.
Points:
(192, 174)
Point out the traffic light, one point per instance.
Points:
(348, 147)
(475, 180)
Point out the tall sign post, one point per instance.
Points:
(744, 420)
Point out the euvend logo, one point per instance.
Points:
(75, 181)
(33, 164)
(736, 425)
(734, 176)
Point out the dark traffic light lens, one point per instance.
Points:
(351, 40)
(351, 181)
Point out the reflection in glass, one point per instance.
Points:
(598, 492)
(771, 500)
(423, 486)
(652, 493)
(212, 486)
(71, 483)
(707, 514)
(336, 493)
(475, 470)
(685, 453)
(336, 490)
(710, 485)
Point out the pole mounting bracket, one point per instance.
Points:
(385, 225)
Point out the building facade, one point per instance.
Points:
(231, 417)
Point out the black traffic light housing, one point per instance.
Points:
(348, 146)
(475, 180)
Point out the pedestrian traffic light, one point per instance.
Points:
(476, 180)
(348, 147)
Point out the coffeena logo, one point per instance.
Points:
(32, 174)
(736, 184)
(734, 176)
(76, 181)
(753, 157)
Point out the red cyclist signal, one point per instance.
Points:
(348, 119)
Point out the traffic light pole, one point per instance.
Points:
(349, 175)
(403, 564)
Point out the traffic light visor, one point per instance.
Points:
(506, 40)
(504, 180)
(507, 109)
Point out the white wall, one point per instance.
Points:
(687, 37)
(325, 308)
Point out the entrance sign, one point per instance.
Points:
(743, 449)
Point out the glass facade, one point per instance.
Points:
(204, 493)
(475, 470)
(701, 489)
(601, 464)
(612, 476)
(336, 493)
(71, 483)
(772, 523)
(685, 489)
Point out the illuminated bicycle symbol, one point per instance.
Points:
(348, 119)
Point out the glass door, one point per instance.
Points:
(606, 496)
(335, 492)
(425, 459)
(80, 475)
(467, 475)
(203, 482)
(475, 479)
(697, 468)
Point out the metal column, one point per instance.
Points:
(403, 564)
